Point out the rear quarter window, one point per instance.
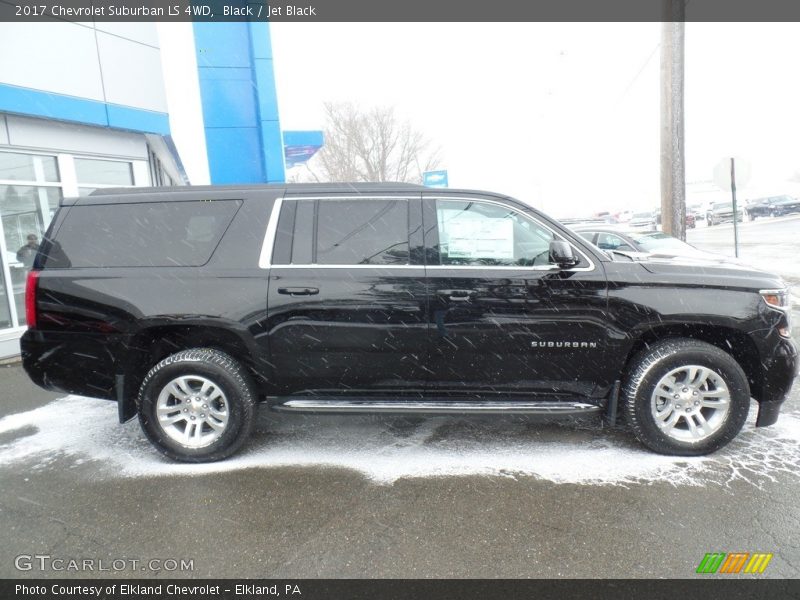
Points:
(150, 234)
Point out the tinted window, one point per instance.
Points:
(474, 233)
(152, 234)
(360, 232)
(303, 241)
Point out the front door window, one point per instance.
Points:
(481, 234)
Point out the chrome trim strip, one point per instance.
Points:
(501, 267)
(265, 259)
(420, 267)
(365, 196)
(548, 407)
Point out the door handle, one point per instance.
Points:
(408, 309)
(298, 291)
(458, 295)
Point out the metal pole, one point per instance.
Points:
(673, 174)
(735, 212)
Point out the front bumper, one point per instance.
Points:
(780, 371)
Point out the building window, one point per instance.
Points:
(30, 192)
(28, 167)
(93, 173)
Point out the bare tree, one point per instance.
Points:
(373, 145)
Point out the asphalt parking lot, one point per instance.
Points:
(338, 496)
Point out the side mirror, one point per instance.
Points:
(561, 254)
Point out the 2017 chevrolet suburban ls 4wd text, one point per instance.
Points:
(188, 306)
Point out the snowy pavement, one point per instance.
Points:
(362, 496)
(385, 449)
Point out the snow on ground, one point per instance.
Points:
(386, 449)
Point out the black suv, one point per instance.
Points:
(190, 305)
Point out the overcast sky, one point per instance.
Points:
(564, 116)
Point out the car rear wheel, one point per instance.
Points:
(685, 397)
(197, 405)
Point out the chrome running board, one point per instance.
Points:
(550, 408)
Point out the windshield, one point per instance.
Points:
(660, 241)
(722, 205)
(643, 215)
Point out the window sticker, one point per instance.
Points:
(470, 238)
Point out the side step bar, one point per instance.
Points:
(550, 408)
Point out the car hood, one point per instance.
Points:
(690, 256)
(727, 272)
(704, 268)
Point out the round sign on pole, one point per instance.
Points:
(722, 173)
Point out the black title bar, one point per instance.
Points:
(732, 588)
(399, 11)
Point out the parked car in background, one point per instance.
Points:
(722, 212)
(624, 216)
(760, 207)
(698, 212)
(651, 243)
(644, 220)
(691, 220)
(785, 205)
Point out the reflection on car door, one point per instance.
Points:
(346, 302)
(503, 319)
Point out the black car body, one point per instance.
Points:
(785, 205)
(377, 297)
(762, 207)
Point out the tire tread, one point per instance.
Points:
(241, 380)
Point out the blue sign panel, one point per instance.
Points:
(435, 179)
(300, 146)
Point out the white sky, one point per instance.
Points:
(564, 116)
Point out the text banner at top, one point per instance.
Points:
(405, 11)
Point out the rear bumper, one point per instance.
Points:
(73, 364)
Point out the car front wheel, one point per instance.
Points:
(197, 405)
(685, 397)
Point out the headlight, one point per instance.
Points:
(780, 300)
(777, 298)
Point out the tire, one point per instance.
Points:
(197, 405)
(649, 407)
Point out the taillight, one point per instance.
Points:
(30, 298)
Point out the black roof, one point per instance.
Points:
(125, 195)
(289, 187)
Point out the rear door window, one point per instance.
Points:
(336, 231)
(150, 234)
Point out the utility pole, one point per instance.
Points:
(673, 168)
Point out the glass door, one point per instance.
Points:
(29, 195)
